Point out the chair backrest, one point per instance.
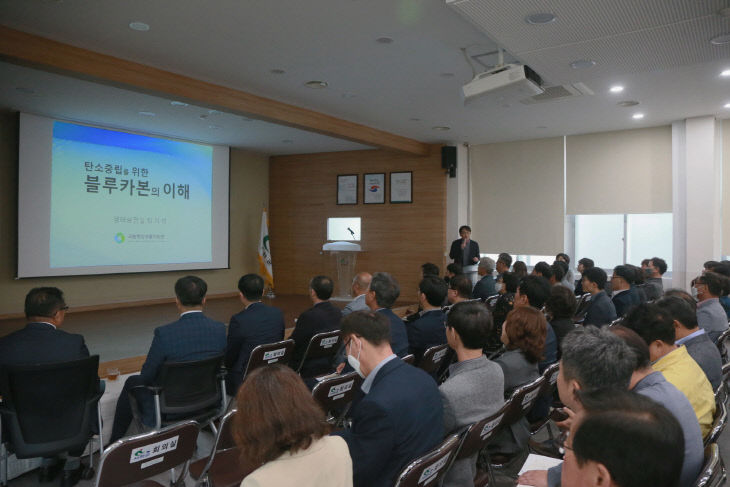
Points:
(713, 470)
(721, 344)
(270, 353)
(522, 400)
(323, 344)
(491, 302)
(431, 467)
(478, 435)
(409, 359)
(718, 421)
(433, 358)
(583, 302)
(335, 393)
(191, 386)
(551, 380)
(136, 458)
(47, 408)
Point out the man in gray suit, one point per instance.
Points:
(360, 286)
(474, 388)
(711, 316)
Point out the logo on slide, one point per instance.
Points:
(374, 188)
(119, 237)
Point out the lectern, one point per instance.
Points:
(343, 255)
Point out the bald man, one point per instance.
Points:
(360, 285)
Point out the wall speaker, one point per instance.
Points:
(448, 160)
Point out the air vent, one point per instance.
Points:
(559, 93)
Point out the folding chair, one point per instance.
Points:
(721, 344)
(270, 353)
(719, 421)
(713, 469)
(321, 346)
(409, 359)
(433, 358)
(547, 390)
(140, 457)
(583, 302)
(491, 302)
(335, 395)
(431, 467)
(476, 438)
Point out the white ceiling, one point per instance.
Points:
(658, 49)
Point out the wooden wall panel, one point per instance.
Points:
(397, 238)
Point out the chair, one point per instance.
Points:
(476, 438)
(270, 353)
(335, 395)
(713, 470)
(547, 390)
(140, 457)
(491, 301)
(321, 345)
(721, 344)
(431, 467)
(49, 409)
(187, 390)
(433, 358)
(583, 302)
(718, 422)
(409, 359)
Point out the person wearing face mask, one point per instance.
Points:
(711, 316)
(397, 414)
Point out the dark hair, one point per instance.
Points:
(472, 321)
(651, 323)
(526, 329)
(596, 359)
(544, 269)
(506, 259)
(43, 301)
(276, 414)
(190, 290)
(429, 269)
(586, 263)
(596, 275)
(251, 286)
(510, 281)
(710, 264)
(455, 269)
(715, 282)
(370, 325)
(386, 289)
(637, 345)
(434, 288)
(536, 288)
(624, 272)
(645, 262)
(684, 295)
(520, 268)
(678, 309)
(638, 441)
(638, 274)
(462, 285)
(561, 303)
(558, 270)
(660, 264)
(464, 227)
(563, 256)
(322, 287)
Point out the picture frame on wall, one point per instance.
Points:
(347, 189)
(373, 188)
(401, 187)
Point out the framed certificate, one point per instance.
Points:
(374, 188)
(347, 189)
(401, 187)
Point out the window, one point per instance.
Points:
(529, 260)
(343, 229)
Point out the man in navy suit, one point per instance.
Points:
(430, 329)
(41, 341)
(398, 415)
(381, 296)
(625, 295)
(257, 324)
(192, 337)
(601, 310)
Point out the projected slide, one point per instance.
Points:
(125, 199)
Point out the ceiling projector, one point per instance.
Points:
(508, 82)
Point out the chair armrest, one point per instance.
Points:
(222, 373)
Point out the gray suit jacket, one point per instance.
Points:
(707, 357)
(712, 318)
(472, 392)
(357, 304)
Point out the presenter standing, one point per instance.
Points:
(464, 251)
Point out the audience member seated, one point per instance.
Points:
(257, 324)
(601, 310)
(639, 282)
(626, 440)
(504, 261)
(381, 296)
(429, 269)
(681, 308)
(485, 286)
(428, 330)
(360, 285)
(505, 303)
(192, 337)
(474, 388)
(464, 251)
(520, 269)
(459, 290)
(542, 269)
(321, 317)
(523, 334)
(723, 269)
(452, 270)
(583, 265)
(397, 416)
(652, 384)
(559, 269)
(656, 327)
(560, 308)
(534, 291)
(711, 316)
(653, 270)
(41, 342)
(569, 278)
(593, 359)
(625, 295)
(288, 441)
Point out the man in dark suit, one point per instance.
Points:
(41, 341)
(381, 296)
(322, 316)
(257, 324)
(430, 329)
(192, 337)
(601, 310)
(464, 251)
(485, 286)
(397, 415)
(625, 295)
